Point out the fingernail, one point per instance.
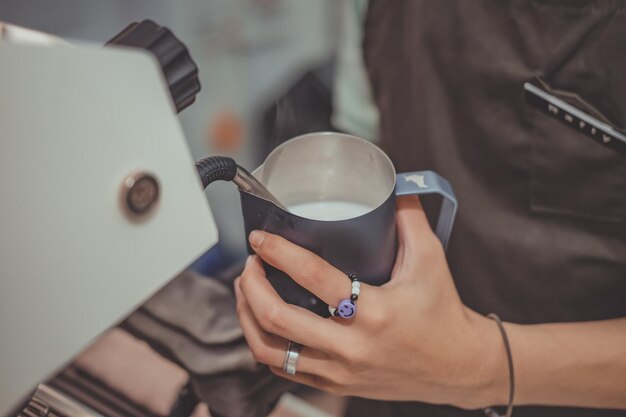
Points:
(256, 238)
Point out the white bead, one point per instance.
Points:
(332, 310)
(356, 291)
(356, 284)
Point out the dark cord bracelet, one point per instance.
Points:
(490, 412)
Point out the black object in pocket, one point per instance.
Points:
(574, 117)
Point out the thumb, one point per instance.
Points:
(413, 227)
(413, 231)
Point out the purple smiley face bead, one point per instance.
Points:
(346, 309)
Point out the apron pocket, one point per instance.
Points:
(574, 176)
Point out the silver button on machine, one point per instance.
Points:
(140, 195)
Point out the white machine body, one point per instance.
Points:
(75, 121)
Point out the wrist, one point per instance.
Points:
(490, 384)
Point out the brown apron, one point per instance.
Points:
(541, 230)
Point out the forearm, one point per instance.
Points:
(569, 364)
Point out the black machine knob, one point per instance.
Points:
(181, 73)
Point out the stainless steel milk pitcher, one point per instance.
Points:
(328, 167)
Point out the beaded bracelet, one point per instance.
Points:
(347, 307)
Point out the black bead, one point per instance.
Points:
(354, 297)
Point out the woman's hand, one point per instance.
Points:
(411, 339)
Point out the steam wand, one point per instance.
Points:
(216, 168)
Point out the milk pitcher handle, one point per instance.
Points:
(428, 182)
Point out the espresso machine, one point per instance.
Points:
(101, 201)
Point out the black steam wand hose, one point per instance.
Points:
(223, 168)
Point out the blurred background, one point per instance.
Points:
(250, 54)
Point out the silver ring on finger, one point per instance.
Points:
(291, 358)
